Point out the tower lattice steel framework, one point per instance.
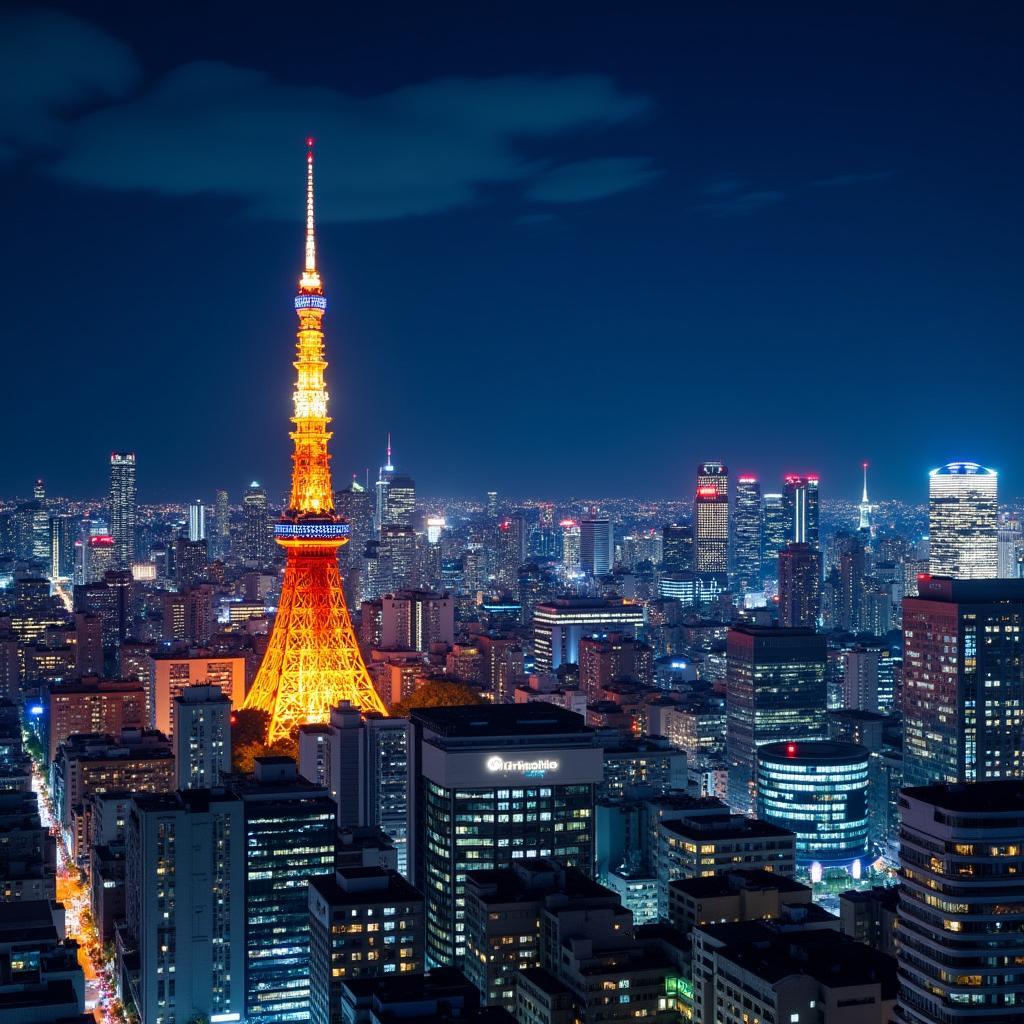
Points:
(312, 660)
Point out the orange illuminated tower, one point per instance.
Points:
(312, 660)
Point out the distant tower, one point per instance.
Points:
(962, 523)
(312, 660)
(747, 534)
(196, 520)
(711, 519)
(866, 508)
(122, 506)
(386, 472)
(800, 500)
(255, 537)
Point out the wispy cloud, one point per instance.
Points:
(585, 180)
(73, 93)
(844, 180)
(739, 204)
(52, 67)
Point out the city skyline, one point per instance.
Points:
(789, 227)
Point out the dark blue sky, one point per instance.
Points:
(566, 251)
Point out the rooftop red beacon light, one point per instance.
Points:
(790, 750)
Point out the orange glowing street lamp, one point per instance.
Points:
(312, 661)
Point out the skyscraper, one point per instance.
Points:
(963, 684)
(63, 534)
(290, 831)
(570, 547)
(962, 529)
(40, 524)
(196, 520)
(799, 585)
(122, 506)
(711, 519)
(800, 501)
(255, 532)
(222, 526)
(202, 736)
(185, 906)
(676, 548)
(401, 503)
(866, 509)
(850, 593)
(747, 534)
(496, 784)
(961, 913)
(775, 692)
(384, 475)
(597, 546)
(312, 660)
(775, 531)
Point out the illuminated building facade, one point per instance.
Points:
(963, 533)
(312, 660)
(571, 555)
(559, 625)
(819, 790)
(800, 503)
(597, 546)
(963, 685)
(775, 692)
(799, 585)
(711, 519)
(774, 533)
(496, 784)
(255, 534)
(747, 534)
(960, 913)
(122, 505)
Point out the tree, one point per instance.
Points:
(437, 693)
(249, 740)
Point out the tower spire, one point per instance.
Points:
(866, 508)
(388, 464)
(310, 280)
(864, 499)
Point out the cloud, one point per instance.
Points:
(210, 128)
(585, 180)
(843, 180)
(53, 65)
(741, 203)
(724, 186)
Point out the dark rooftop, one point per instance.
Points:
(364, 885)
(535, 718)
(735, 827)
(833, 959)
(814, 752)
(534, 878)
(734, 881)
(1006, 796)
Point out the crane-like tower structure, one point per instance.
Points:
(312, 661)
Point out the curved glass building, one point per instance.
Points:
(818, 789)
(962, 529)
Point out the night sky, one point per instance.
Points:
(568, 250)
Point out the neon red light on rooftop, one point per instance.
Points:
(790, 750)
(707, 492)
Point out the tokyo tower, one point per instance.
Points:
(312, 661)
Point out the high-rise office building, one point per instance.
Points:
(364, 764)
(396, 555)
(364, 923)
(571, 553)
(63, 534)
(775, 689)
(123, 506)
(676, 548)
(747, 534)
(414, 620)
(963, 684)
(202, 736)
(255, 526)
(196, 520)
(355, 506)
(850, 593)
(509, 552)
(800, 502)
(221, 548)
(597, 546)
(711, 519)
(170, 672)
(961, 904)
(962, 527)
(496, 784)
(775, 532)
(92, 706)
(1010, 547)
(401, 504)
(799, 585)
(383, 482)
(191, 562)
(290, 831)
(559, 625)
(185, 907)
